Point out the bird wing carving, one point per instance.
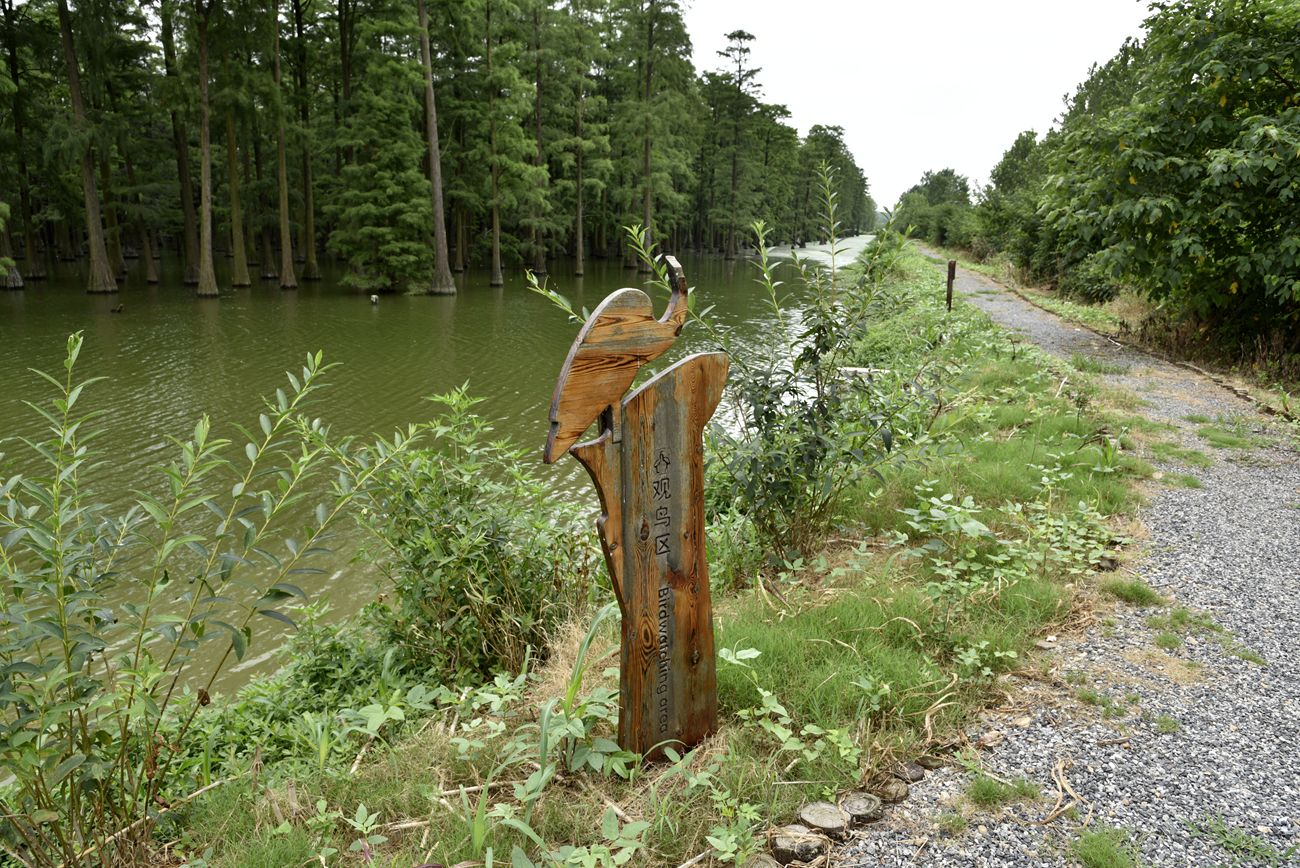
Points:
(619, 337)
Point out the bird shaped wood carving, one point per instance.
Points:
(647, 463)
(621, 335)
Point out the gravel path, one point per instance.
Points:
(1168, 745)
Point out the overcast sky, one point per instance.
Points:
(924, 84)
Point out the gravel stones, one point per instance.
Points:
(1212, 736)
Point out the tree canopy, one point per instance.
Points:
(277, 131)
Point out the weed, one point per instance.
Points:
(1183, 480)
(1172, 452)
(1198, 419)
(1166, 725)
(1241, 844)
(1220, 438)
(1091, 365)
(1236, 649)
(1168, 641)
(951, 824)
(988, 792)
(1135, 592)
(1088, 696)
(1104, 847)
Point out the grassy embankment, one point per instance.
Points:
(1130, 317)
(981, 534)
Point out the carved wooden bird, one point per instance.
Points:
(618, 338)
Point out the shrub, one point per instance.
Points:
(1089, 281)
(484, 559)
(115, 627)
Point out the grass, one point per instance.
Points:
(1104, 847)
(1243, 845)
(1220, 438)
(1182, 480)
(1090, 365)
(986, 792)
(1181, 621)
(1135, 592)
(1185, 455)
(951, 824)
(850, 660)
(1168, 641)
(1166, 725)
(1198, 419)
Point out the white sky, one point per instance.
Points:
(924, 84)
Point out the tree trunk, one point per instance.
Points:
(458, 264)
(579, 230)
(495, 279)
(100, 278)
(10, 276)
(347, 27)
(182, 145)
(310, 268)
(647, 205)
(288, 280)
(268, 271)
(112, 230)
(34, 262)
(443, 283)
(207, 272)
(539, 234)
(138, 224)
(239, 265)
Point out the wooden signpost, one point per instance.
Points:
(952, 275)
(647, 463)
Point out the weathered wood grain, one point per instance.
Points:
(668, 690)
(619, 337)
(647, 464)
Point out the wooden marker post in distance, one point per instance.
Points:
(647, 463)
(952, 275)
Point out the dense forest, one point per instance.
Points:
(1173, 172)
(406, 140)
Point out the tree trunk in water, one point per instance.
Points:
(495, 279)
(112, 230)
(579, 248)
(268, 250)
(288, 280)
(207, 272)
(10, 276)
(182, 145)
(34, 262)
(100, 278)
(138, 224)
(310, 268)
(458, 264)
(647, 205)
(239, 264)
(443, 283)
(579, 231)
(539, 234)
(347, 25)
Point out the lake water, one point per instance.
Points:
(171, 357)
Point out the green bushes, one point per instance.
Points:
(1089, 281)
(483, 561)
(806, 433)
(116, 626)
